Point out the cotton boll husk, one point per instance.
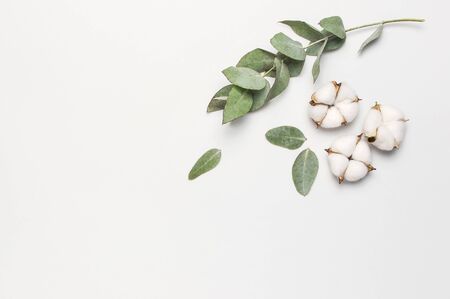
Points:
(356, 170)
(333, 119)
(317, 112)
(344, 145)
(349, 109)
(390, 113)
(362, 152)
(338, 164)
(345, 92)
(397, 129)
(326, 94)
(372, 122)
(384, 139)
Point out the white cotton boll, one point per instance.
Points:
(338, 164)
(385, 127)
(344, 145)
(373, 121)
(341, 105)
(349, 158)
(384, 139)
(390, 113)
(317, 112)
(362, 152)
(345, 92)
(333, 119)
(326, 94)
(349, 109)
(356, 170)
(397, 129)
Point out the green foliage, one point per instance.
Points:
(288, 47)
(286, 136)
(244, 77)
(373, 37)
(238, 104)
(205, 163)
(304, 171)
(219, 100)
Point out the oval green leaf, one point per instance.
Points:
(304, 30)
(281, 79)
(304, 171)
(238, 104)
(260, 97)
(218, 101)
(205, 163)
(244, 77)
(258, 60)
(288, 46)
(373, 37)
(334, 25)
(316, 65)
(286, 136)
(333, 43)
(295, 67)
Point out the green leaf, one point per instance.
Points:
(205, 163)
(258, 60)
(218, 101)
(239, 103)
(333, 43)
(316, 65)
(288, 46)
(304, 30)
(286, 136)
(334, 25)
(295, 67)
(244, 77)
(373, 37)
(281, 79)
(304, 171)
(260, 97)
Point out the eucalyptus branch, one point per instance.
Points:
(366, 26)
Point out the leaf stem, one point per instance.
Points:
(365, 26)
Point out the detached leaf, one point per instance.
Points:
(218, 101)
(286, 136)
(281, 79)
(239, 103)
(304, 171)
(304, 30)
(288, 46)
(244, 77)
(316, 65)
(258, 60)
(260, 97)
(373, 37)
(334, 25)
(205, 163)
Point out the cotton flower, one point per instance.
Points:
(333, 105)
(384, 127)
(350, 158)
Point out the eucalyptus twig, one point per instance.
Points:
(366, 26)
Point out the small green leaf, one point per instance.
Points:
(373, 37)
(286, 136)
(258, 60)
(281, 79)
(288, 46)
(304, 30)
(260, 97)
(205, 163)
(334, 25)
(295, 67)
(238, 104)
(244, 77)
(316, 65)
(304, 171)
(218, 101)
(333, 43)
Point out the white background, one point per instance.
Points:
(102, 114)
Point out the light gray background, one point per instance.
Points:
(102, 114)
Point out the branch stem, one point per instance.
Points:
(365, 26)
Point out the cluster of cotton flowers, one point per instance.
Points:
(350, 157)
